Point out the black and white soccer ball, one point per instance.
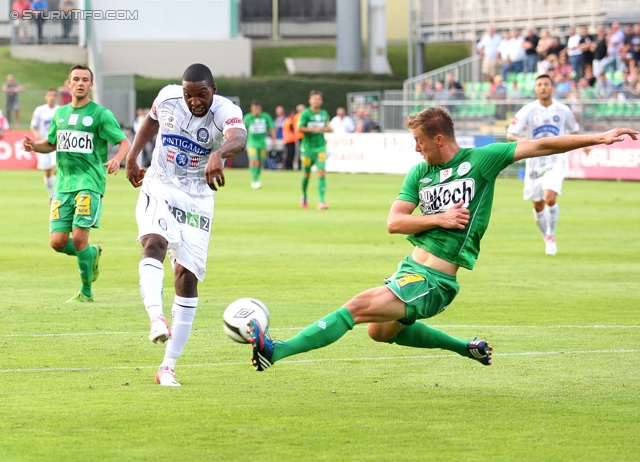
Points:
(237, 316)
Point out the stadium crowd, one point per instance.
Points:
(583, 66)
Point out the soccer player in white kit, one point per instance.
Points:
(197, 130)
(40, 122)
(544, 175)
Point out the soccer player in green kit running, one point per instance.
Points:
(313, 124)
(454, 190)
(258, 123)
(80, 132)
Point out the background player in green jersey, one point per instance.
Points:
(80, 133)
(313, 124)
(454, 190)
(258, 123)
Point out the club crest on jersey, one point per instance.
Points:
(182, 159)
(442, 197)
(87, 121)
(169, 123)
(445, 174)
(464, 168)
(556, 118)
(203, 135)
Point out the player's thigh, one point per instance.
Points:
(61, 212)
(155, 215)
(253, 153)
(533, 187)
(376, 305)
(45, 161)
(553, 179)
(321, 161)
(88, 209)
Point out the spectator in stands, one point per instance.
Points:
(365, 124)
(503, 51)
(529, 44)
(548, 65)
(585, 46)
(588, 74)
(427, 89)
(67, 21)
(604, 87)
(634, 63)
(488, 48)
(513, 91)
(625, 50)
(455, 88)
(19, 25)
(615, 39)
(498, 92)
(562, 85)
(39, 7)
(599, 48)
(556, 47)
(342, 123)
(563, 66)
(629, 82)
(515, 55)
(574, 53)
(586, 90)
(543, 44)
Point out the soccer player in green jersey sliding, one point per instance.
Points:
(258, 123)
(313, 124)
(454, 190)
(80, 133)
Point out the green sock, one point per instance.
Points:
(319, 334)
(69, 248)
(305, 185)
(322, 187)
(255, 172)
(419, 335)
(85, 264)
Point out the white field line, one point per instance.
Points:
(443, 326)
(381, 358)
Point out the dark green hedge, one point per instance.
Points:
(286, 91)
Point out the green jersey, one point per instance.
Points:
(470, 177)
(81, 136)
(257, 129)
(313, 142)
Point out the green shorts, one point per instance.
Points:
(425, 291)
(257, 154)
(79, 209)
(307, 159)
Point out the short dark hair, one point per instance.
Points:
(80, 67)
(255, 102)
(544, 76)
(198, 73)
(314, 92)
(53, 90)
(432, 121)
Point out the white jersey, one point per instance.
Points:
(41, 119)
(184, 141)
(537, 121)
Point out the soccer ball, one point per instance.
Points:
(239, 313)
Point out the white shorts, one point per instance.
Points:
(46, 161)
(183, 220)
(536, 182)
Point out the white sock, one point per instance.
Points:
(541, 221)
(183, 312)
(552, 219)
(151, 273)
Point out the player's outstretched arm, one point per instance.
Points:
(148, 128)
(402, 221)
(558, 144)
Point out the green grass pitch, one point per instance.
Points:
(76, 381)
